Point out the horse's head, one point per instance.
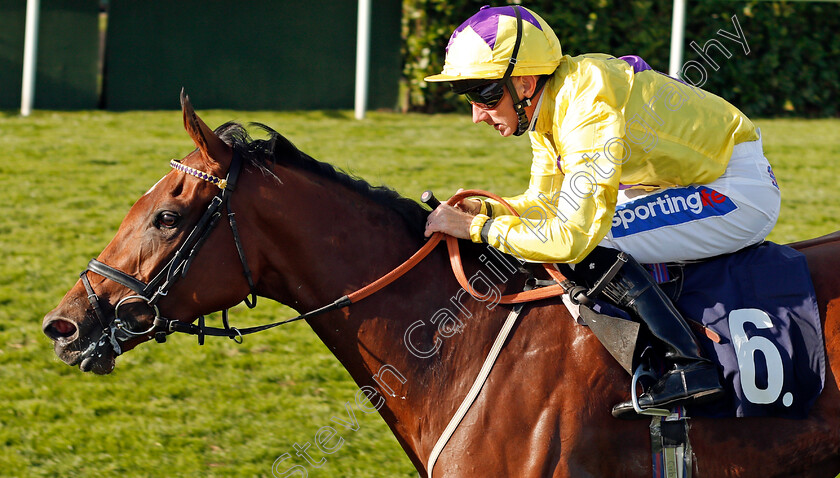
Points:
(151, 272)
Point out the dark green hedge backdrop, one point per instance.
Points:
(791, 69)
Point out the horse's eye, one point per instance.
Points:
(168, 219)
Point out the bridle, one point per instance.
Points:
(150, 293)
(119, 331)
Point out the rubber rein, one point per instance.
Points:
(458, 267)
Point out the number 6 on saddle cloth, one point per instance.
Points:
(759, 312)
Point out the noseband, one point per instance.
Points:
(118, 331)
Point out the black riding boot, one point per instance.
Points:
(693, 379)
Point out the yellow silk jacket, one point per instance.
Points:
(602, 122)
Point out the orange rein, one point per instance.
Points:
(457, 265)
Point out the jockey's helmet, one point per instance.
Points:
(482, 47)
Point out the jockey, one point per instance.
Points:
(626, 161)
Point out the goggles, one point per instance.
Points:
(486, 96)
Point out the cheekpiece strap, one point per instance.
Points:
(221, 183)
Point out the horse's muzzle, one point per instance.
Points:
(74, 348)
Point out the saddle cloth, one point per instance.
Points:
(762, 304)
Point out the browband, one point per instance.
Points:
(221, 183)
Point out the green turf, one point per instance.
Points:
(224, 409)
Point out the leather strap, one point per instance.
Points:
(477, 385)
(398, 272)
(115, 275)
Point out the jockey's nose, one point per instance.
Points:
(478, 114)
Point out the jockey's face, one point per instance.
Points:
(502, 117)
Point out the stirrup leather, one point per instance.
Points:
(580, 295)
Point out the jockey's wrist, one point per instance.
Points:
(476, 226)
(485, 231)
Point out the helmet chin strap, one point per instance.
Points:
(519, 106)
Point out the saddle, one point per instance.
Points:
(755, 315)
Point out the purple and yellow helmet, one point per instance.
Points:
(482, 47)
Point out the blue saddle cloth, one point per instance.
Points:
(762, 303)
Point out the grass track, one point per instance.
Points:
(224, 410)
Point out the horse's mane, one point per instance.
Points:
(264, 154)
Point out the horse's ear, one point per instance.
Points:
(210, 145)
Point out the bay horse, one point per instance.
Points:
(309, 234)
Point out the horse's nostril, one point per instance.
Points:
(59, 329)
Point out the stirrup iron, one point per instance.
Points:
(640, 372)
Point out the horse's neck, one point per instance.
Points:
(333, 242)
(319, 240)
